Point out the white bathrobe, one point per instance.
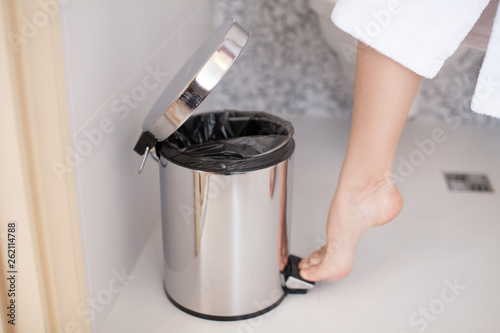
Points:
(422, 34)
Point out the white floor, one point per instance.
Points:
(436, 268)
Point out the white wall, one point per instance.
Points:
(111, 50)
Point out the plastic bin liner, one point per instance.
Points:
(229, 141)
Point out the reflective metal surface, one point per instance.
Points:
(225, 238)
(195, 80)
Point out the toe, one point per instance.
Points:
(314, 273)
(314, 259)
(317, 257)
(305, 263)
(326, 270)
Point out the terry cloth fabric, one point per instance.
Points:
(422, 34)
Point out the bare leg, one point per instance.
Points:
(366, 196)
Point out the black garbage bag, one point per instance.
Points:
(229, 141)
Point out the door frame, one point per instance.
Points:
(35, 115)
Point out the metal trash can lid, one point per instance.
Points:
(195, 80)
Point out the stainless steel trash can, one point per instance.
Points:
(226, 181)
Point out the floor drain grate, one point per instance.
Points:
(467, 182)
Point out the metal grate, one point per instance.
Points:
(467, 182)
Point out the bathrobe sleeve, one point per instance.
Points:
(420, 35)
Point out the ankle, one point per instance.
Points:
(359, 181)
(371, 199)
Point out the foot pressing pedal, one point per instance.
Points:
(294, 283)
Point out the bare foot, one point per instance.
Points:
(356, 207)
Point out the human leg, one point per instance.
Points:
(366, 196)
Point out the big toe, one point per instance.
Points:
(314, 273)
(308, 262)
(325, 271)
(314, 259)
